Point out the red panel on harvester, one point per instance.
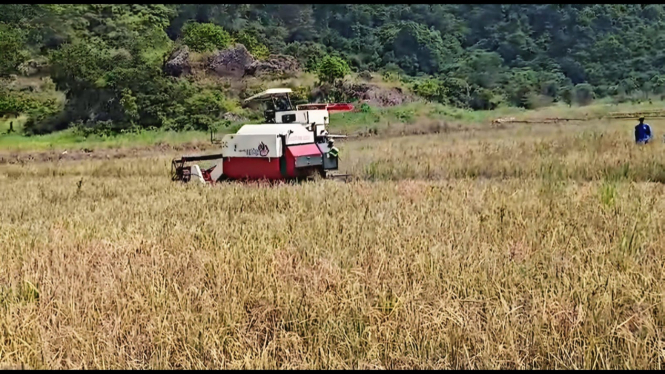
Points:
(339, 107)
(302, 150)
(294, 151)
(252, 168)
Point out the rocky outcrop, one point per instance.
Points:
(237, 62)
(178, 63)
(365, 75)
(386, 96)
(275, 65)
(232, 117)
(33, 67)
(231, 63)
(369, 93)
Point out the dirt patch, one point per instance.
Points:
(382, 97)
(103, 154)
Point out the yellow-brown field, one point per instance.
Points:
(527, 247)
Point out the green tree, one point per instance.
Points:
(128, 102)
(332, 68)
(481, 68)
(428, 89)
(520, 85)
(432, 90)
(415, 47)
(567, 95)
(202, 37)
(249, 40)
(583, 94)
(206, 109)
(12, 53)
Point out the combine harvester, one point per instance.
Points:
(292, 144)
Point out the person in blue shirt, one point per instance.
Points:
(642, 132)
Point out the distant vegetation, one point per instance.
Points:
(100, 66)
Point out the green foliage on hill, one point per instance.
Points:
(249, 40)
(108, 59)
(332, 68)
(204, 37)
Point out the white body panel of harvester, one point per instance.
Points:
(264, 140)
(295, 133)
(252, 145)
(307, 118)
(249, 138)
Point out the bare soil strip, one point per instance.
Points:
(102, 153)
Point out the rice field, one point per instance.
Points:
(527, 247)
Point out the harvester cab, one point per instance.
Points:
(277, 104)
(279, 109)
(292, 144)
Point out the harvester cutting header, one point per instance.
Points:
(292, 144)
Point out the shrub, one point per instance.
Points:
(206, 109)
(11, 49)
(429, 89)
(203, 37)
(365, 75)
(583, 94)
(309, 54)
(332, 68)
(300, 95)
(258, 50)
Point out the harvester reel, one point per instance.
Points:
(179, 172)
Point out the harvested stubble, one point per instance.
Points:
(128, 270)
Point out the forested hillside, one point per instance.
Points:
(102, 67)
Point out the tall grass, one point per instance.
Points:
(509, 248)
(70, 140)
(593, 151)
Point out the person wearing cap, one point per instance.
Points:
(642, 132)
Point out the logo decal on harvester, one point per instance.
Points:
(262, 151)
